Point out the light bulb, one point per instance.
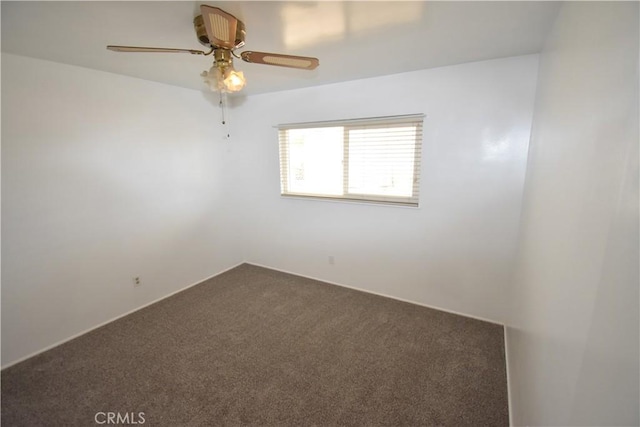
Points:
(223, 77)
(233, 80)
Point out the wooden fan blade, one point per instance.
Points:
(153, 49)
(291, 61)
(221, 26)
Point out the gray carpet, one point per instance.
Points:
(260, 347)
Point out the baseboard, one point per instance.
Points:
(22, 359)
(379, 294)
(506, 358)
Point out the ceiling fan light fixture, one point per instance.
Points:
(222, 77)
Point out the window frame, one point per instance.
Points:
(412, 120)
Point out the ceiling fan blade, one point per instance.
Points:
(291, 61)
(153, 49)
(221, 26)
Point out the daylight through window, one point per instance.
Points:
(376, 160)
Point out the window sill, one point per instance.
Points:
(351, 201)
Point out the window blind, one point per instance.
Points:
(373, 159)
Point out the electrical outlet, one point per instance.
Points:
(136, 282)
(332, 260)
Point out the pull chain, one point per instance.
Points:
(223, 100)
(222, 108)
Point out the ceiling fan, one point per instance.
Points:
(223, 33)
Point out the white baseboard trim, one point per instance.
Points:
(378, 294)
(49, 347)
(506, 358)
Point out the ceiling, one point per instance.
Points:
(353, 40)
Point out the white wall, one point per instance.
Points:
(456, 250)
(573, 349)
(104, 178)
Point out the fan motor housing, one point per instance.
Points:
(201, 33)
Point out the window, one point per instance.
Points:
(375, 160)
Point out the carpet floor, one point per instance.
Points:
(254, 346)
